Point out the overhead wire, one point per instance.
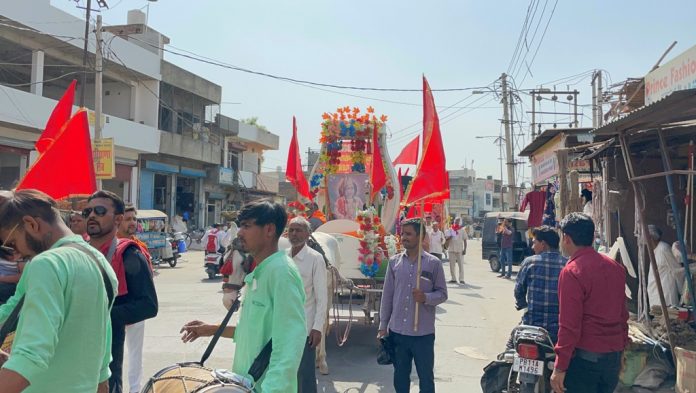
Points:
(523, 61)
(520, 37)
(548, 22)
(524, 39)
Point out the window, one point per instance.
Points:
(233, 159)
(488, 199)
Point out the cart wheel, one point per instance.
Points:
(172, 262)
(187, 240)
(495, 263)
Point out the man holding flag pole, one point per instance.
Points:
(416, 278)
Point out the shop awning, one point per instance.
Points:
(548, 135)
(676, 108)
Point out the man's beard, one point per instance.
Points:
(36, 246)
(100, 232)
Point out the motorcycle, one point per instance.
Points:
(212, 264)
(526, 367)
(171, 254)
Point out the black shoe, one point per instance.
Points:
(501, 275)
(452, 281)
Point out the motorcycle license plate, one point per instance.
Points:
(528, 366)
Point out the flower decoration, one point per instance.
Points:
(371, 255)
(348, 131)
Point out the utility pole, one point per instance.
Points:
(500, 158)
(98, 86)
(83, 83)
(508, 144)
(600, 100)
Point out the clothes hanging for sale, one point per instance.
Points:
(550, 209)
(536, 201)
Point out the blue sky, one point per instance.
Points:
(388, 43)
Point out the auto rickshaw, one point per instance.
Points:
(490, 242)
(152, 230)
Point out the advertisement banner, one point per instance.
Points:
(104, 160)
(677, 74)
(545, 162)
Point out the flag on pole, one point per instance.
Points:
(293, 170)
(65, 168)
(60, 115)
(378, 176)
(409, 154)
(430, 181)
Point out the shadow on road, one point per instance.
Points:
(353, 367)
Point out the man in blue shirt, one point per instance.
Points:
(537, 282)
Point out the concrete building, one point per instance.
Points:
(461, 200)
(41, 53)
(487, 196)
(174, 150)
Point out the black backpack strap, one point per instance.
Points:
(10, 324)
(107, 283)
(219, 331)
(261, 362)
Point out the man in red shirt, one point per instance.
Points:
(593, 319)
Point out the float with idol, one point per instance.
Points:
(354, 189)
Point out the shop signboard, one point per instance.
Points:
(544, 160)
(103, 156)
(579, 165)
(226, 176)
(677, 74)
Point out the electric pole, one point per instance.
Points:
(508, 144)
(600, 100)
(98, 86)
(83, 83)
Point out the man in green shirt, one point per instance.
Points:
(273, 306)
(63, 338)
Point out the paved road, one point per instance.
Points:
(472, 327)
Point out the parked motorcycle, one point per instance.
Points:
(526, 367)
(171, 254)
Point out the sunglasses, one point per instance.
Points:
(6, 251)
(100, 211)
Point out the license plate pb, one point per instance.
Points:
(528, 366)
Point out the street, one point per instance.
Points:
(471, 329)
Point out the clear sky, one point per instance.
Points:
(387, 43)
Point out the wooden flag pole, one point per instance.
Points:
(418, 269)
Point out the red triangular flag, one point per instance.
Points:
(430, 181)
(66, 168)
(293, 170)
(378, 176)
(409, 155)
(60, 115)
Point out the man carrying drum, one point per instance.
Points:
(273, 307)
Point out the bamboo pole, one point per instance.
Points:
(418, 269)
(628, 162)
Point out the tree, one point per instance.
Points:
(254, 121)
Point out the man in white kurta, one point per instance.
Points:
(667, 267)
(456, 250)
(312, 268)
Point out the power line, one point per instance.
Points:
(523, 60)
(522, 33)
(46, 80)
(540, 41)
(203, 59)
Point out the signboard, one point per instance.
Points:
(579, 165)
(677, 74)
(226, 176)
(104, 161)
(544, 161)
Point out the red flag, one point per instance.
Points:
(60, 115)
(378, 176)
(66, 167)
(430, 181)
(293, 170)
(409, 155)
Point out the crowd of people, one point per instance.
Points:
(89, 286)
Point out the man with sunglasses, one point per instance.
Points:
(136, 300)
(63, 338)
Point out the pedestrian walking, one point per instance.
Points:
(505, 232)
(456, 239)
(273, 304)
(397, 311)
(313, 271)
(437, 241)
(593, 319)
(135, 333)
(63, 340)
(136, 300)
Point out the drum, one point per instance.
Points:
(191, 378)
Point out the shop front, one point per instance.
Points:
(13, 165)
(124, 183)
(173, 189)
